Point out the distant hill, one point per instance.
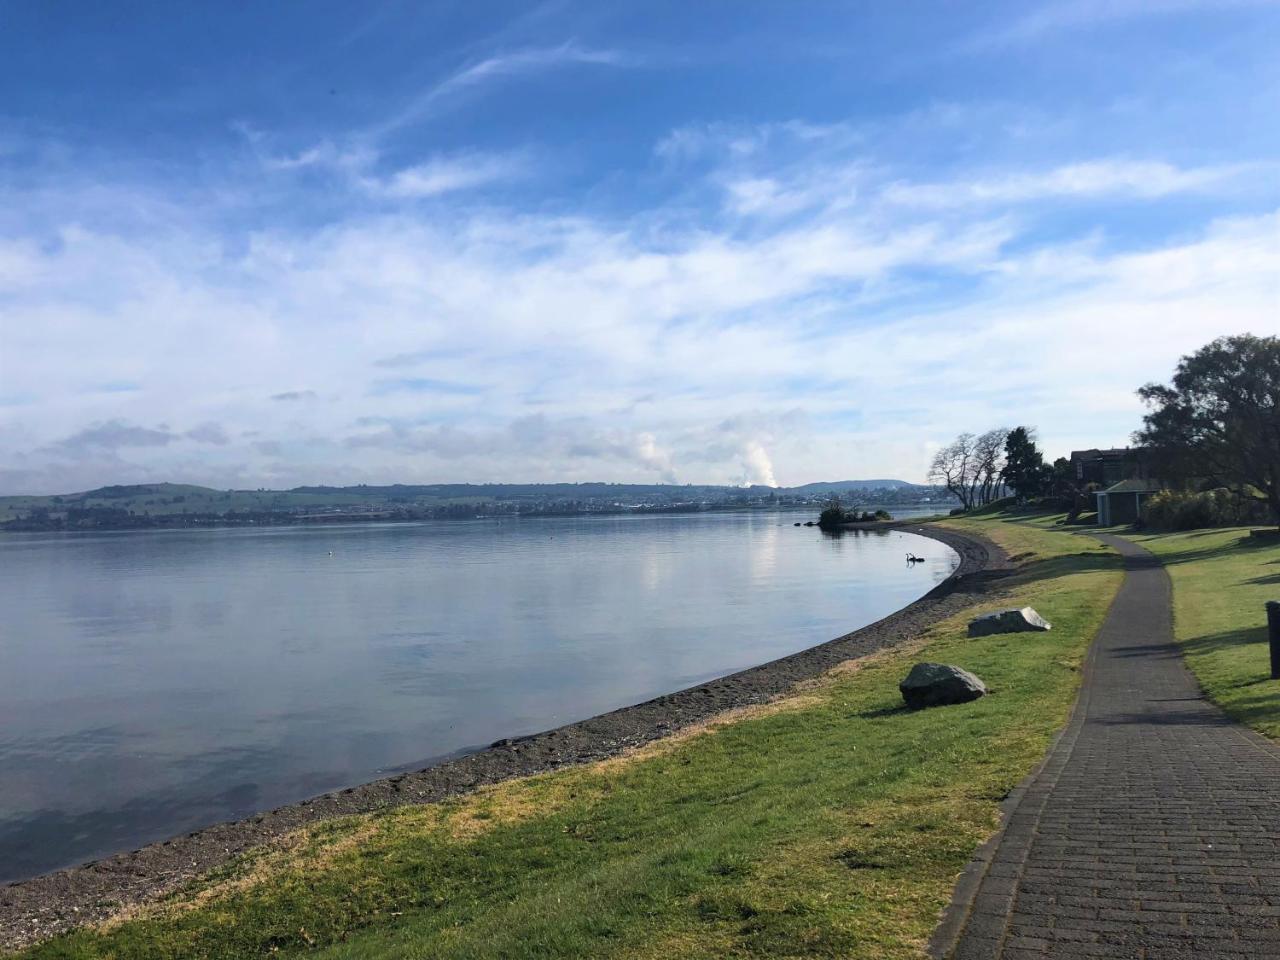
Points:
(175, 504)
(839, 486)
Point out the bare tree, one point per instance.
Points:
(969, 467)
(988, 451)
(953, 467)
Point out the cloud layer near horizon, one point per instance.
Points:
(790, 301)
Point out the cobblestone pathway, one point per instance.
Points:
(1153, 830)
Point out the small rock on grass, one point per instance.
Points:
(940, 684)
(1017, 620)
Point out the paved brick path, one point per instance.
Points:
(1152, 831)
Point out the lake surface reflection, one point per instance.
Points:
(155, 682)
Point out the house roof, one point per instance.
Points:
(1095, 454)
(1135, 486)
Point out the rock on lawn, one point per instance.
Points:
(940, 684)
(1007, 621)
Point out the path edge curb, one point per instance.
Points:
(955, 916)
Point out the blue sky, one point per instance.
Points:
(273, 244)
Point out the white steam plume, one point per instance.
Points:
(757, 465)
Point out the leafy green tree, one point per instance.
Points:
(1024, 468)
(1062, 479)
(1219, 419)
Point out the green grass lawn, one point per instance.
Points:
(1221, 579)
(830, 823)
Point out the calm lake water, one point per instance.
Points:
(156, 682)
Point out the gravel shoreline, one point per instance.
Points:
(31, 910)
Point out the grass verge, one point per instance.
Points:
(829, 823)
(1221, 580)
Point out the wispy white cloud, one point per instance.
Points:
(777, 170)
(1066, 15)
(449, 174)
(529, 60)
(352, 158)
(493, 69)
(810, 296)
(357, 154)
(831, 188)
(739, 141)
(21, 264)
(359, 164)
(1108, 177)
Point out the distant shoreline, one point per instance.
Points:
(282, 519)
(158, 506)
(42, 906)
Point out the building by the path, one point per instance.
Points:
(1122, 502)
(1107, 467)
(1119, 479)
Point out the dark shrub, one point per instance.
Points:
(835, 514)
(1180, 510)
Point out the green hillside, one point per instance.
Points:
(168, 499)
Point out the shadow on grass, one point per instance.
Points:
(1243, 545)
(881, 712)
(976, 583)
(1051, 568)
(1257, 710)
(1228, 639)
(1249, 695)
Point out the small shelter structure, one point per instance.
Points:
(1122, 502)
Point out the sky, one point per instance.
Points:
(265, 245)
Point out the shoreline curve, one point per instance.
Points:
(48, 904)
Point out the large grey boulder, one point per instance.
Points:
(939, 684)
(1007, 621)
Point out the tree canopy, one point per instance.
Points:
(1024, 468)
(1219, 419)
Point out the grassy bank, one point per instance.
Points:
(830, 823)
(1221, 579)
